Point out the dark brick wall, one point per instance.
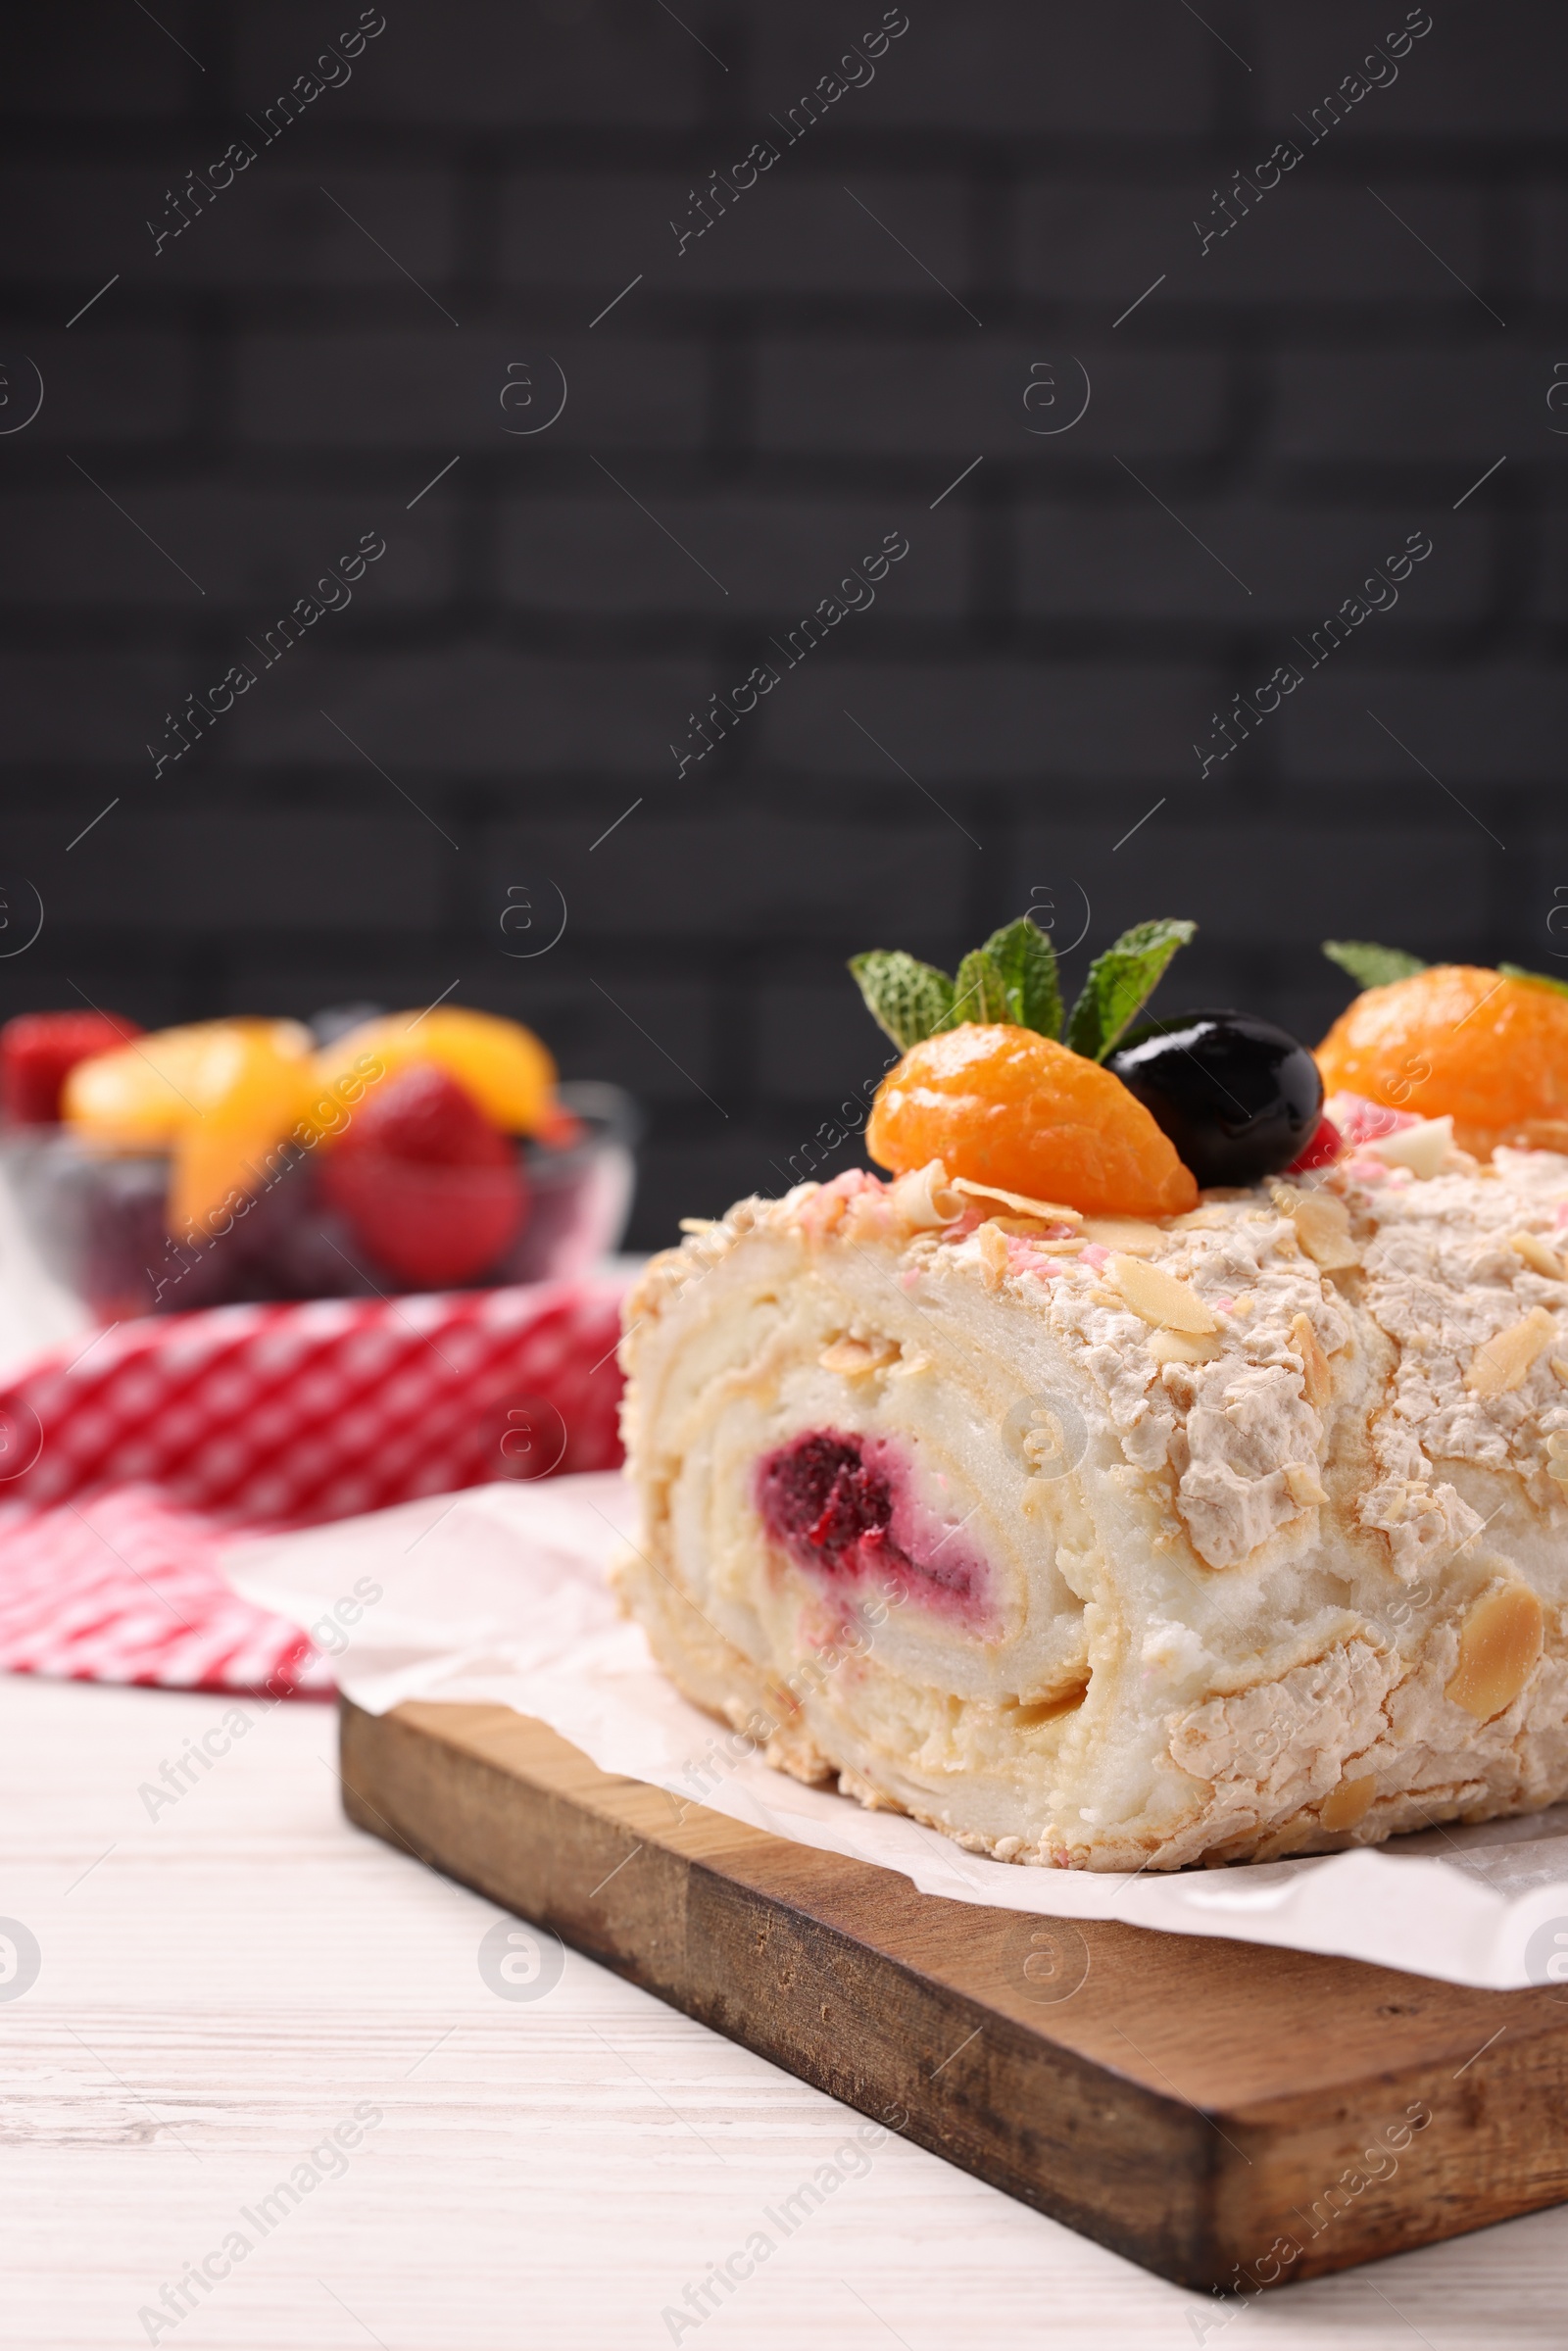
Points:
(755, 414)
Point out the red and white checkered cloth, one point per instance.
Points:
(126, 1466)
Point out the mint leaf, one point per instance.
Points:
(907, 999)
(1372, 967)
(1013, 978)
(979, 991)
(1120, 983)
(1535, 979)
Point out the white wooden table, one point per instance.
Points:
(224, 1980)
(224, 1985)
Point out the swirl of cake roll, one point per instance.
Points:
(1111, 1543)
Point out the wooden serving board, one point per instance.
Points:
(1230, 2116)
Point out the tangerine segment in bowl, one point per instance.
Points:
(216, 1096)
(510, 1074)
(1459, 1041)
(259, 1087)
(1004, 1105)
(142, 1094)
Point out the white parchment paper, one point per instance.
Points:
(498, 1595)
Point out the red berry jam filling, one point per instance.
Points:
(839, 1507)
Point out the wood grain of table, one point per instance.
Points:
(223, 1984)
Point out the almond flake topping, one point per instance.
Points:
(1316, 1377)
(1422, 1149)
(992, 1248)
(1303, 1481)
(1536, 1255)
(1500, 1643)
(1159, 1297)
(1185, 1346)
(1133, 1234)
(1051, 1211)
(1502, 1362)
(1322, 1227)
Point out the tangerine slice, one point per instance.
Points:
(254, 1085)
(1459, 1041)
(140, 1095)
(1006, 1106)
(218, 1096)
(504, 1067)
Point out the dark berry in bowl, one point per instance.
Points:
(1238, 1097)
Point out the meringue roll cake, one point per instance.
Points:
(1112, 1541)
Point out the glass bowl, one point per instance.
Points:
(97, 1220)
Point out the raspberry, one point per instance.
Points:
(819, 1501)
(38, 1052)
(424, 1114)
(434, 1192)
(831, 1509)
(1327, 1145)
